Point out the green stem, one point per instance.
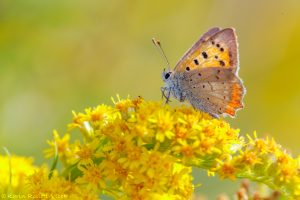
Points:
(55, 161)
(10, 168)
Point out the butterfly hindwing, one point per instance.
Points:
(216, 48)
(215, 90)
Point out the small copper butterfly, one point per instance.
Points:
(207, 74)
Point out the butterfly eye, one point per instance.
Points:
(167, 75)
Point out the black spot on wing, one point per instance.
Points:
(222, 63)
(196, 61)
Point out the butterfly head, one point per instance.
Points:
(166, 75)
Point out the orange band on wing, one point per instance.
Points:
(236, 99)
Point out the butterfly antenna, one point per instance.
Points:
(158, 45)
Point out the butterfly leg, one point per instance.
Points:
(168, 97)
(182, 97)
(163, 92)
(162, 89)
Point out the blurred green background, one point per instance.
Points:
(58, 56)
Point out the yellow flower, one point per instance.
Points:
(180, 181)
(41, 187)
(87, 152)
(135, 156)
(92, 175)
(156, 163)
(115, 170)
(62, 145)
(249, 158)
(20, 168)
(163, 124)
(227, 171)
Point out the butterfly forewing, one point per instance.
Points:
(216, 48)
(202, 39)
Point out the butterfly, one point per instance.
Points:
(207, 75)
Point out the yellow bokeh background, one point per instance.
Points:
(59, 56)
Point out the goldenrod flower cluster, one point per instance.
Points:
(125, 152)
(140, 149)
